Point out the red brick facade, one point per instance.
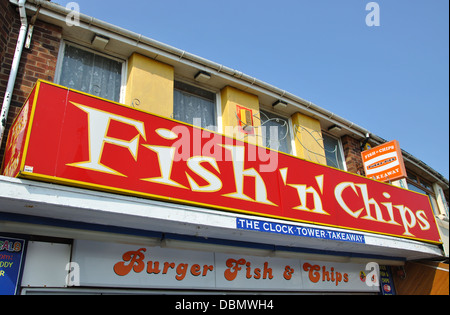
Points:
(352, 153)
(38, 62)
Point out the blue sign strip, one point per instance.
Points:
(11, 252)
(286, 229)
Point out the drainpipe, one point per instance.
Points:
(14, 68)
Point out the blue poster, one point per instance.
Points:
(386, 281)
(11, 253)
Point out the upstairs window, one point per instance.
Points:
(194, 105)
(91, 73)
(333, 152)
(277, 138)
(420, 185)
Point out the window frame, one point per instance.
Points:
(217, 101)
(418, 184)
(340, 148)
(289, 127)
(123, 61)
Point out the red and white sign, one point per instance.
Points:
(384, 162)
(68, 137)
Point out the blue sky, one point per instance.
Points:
(391, 79)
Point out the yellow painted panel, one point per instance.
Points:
(150, 85)
(308, 138)
(237, 103)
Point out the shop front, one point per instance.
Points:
(102, 267)
(110, 199)
(68, 137)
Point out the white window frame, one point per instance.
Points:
(290, 127)
(218, 102)
(420, 188)
(441, 199)
(340, 148)
(124, 62)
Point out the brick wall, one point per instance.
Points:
(6, 11)
(38, 62)
(7, 17)
(352, 153)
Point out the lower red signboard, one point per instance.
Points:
(72, 138)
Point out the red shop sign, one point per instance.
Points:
(68, 137)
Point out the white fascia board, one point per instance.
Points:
(54, 201)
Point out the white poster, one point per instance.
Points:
(119, 265)
(133, 266)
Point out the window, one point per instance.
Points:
(333, 152)
(418, 184)
(91, 73)
(190, 102)
(275, 138)
(444, 200)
